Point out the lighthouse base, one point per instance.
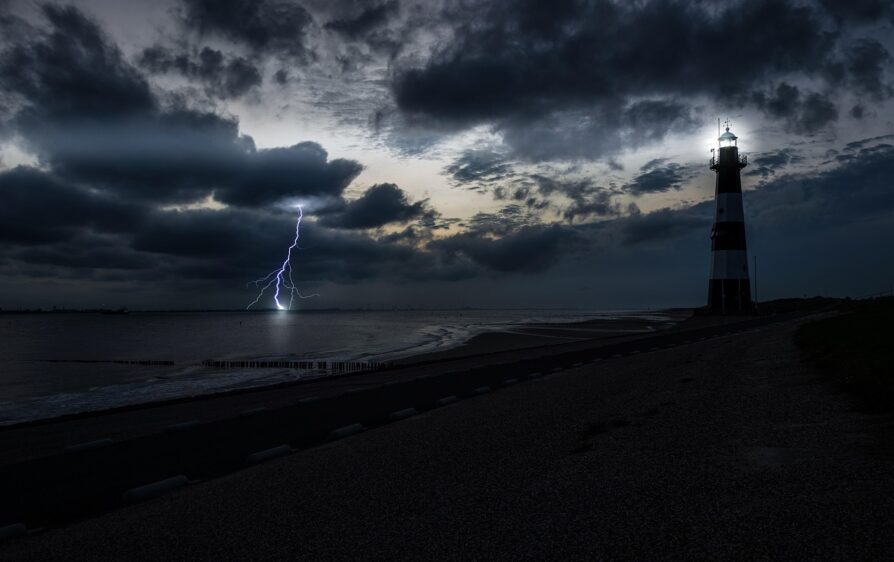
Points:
(729, 296)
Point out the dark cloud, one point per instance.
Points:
(222, 78)
(505, 221)
(381, 204)
(766, 164)
(595, 131)
(186, 156)
(281, 77)
(861, 67)
(651, 120)
(543, 188)
(270, 25)
(816, 112)
(166, 157)
(39, 209)
(110, 132)
(204, 233)
(278, 174)
(859, 10)
(664, 225)
(657, 176)
(519, 190)
(528, 249)
(864, 143)
(84, 254)
(479, 167)
(587, 199)
(369, 19)
(802, 113)
(522, 65)
(598, 203)
(71, 72)
(866, 63)
(81, 233)
(511, 240)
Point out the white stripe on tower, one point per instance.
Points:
(729, 264)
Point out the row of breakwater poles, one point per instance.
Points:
(329, 366)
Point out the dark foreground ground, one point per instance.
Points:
(725, 448)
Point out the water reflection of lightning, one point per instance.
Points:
(280, 278)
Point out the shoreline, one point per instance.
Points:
(511, 337)
(526, 336)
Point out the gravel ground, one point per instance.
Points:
(728, 448)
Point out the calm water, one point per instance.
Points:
(31, 387)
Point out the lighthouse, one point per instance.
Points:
(729, 289)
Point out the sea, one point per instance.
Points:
(54, 364)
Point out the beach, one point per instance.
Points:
(541, 335)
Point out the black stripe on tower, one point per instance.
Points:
(728, 179)
(729, 294)
(727, 165)
(728, 236)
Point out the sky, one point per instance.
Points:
(445, 153)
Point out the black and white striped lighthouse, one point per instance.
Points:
(729, 290)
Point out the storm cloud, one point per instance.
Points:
(802, 113)
(37, 208)
(657, 176)
(531, 67)
(112, 132)
(380, 205)
(278, 25)
(366, 21)
(223, 78)
(529, 249)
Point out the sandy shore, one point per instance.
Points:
(728, 448)
(524, 336)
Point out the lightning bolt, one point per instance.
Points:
(281, 277)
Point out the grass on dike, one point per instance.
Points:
(856, 351)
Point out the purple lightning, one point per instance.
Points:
(280, 277)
